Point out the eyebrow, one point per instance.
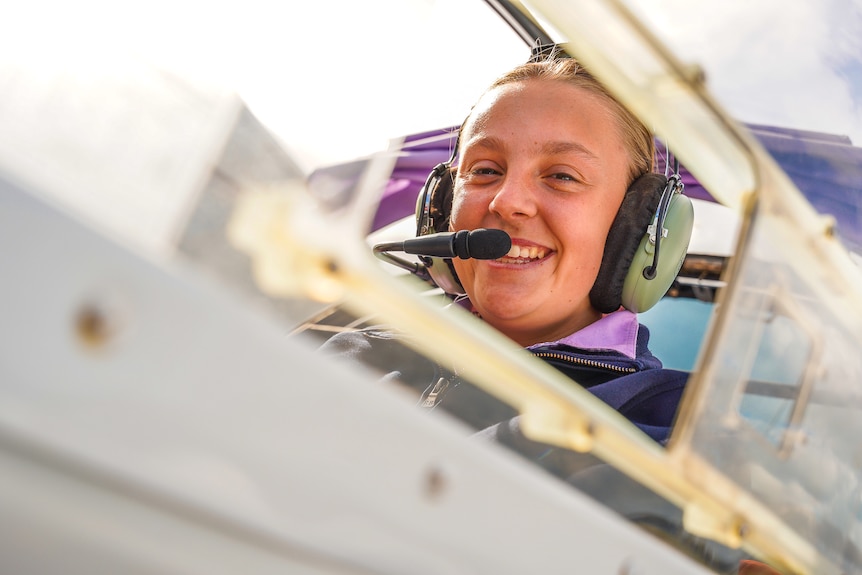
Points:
(550, 148)
(566, 147)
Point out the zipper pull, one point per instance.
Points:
(439, 387)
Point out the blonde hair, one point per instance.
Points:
(637, 138)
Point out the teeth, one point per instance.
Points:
(525, 253)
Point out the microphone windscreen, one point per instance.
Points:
(488, 244)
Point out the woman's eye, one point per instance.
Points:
(564, 177)
(480, 174)
(486, 171)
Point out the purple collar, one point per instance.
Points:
(617, 331)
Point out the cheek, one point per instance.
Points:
(583, 238)
(465, 211)
(464, 269)
(457, 206)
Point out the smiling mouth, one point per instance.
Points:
(523, 255)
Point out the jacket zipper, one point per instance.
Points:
(582, 361)
(431, 399)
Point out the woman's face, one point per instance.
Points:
(544, 161)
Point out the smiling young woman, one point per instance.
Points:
(545, 161)
(546, 155)
(550, 157)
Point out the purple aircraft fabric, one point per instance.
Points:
(826, 168)
(420, 153)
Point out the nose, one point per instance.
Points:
(515, 199)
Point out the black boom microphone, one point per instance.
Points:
(481, 244)
(478, 244)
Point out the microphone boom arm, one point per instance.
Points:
(382, 253)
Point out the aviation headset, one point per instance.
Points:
(654, 217)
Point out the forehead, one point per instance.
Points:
(524, 116)
(528, 101)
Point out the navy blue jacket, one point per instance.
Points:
(640, 389)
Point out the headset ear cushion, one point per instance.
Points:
(441, 192)
(635, 215)
(443, 275)
(441, 201)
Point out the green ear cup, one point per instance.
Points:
(639, 293)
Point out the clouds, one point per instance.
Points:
(773, 62)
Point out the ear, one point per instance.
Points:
(629, 227)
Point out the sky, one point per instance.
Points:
(310, 70)
(300, 69)
(793, 64)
